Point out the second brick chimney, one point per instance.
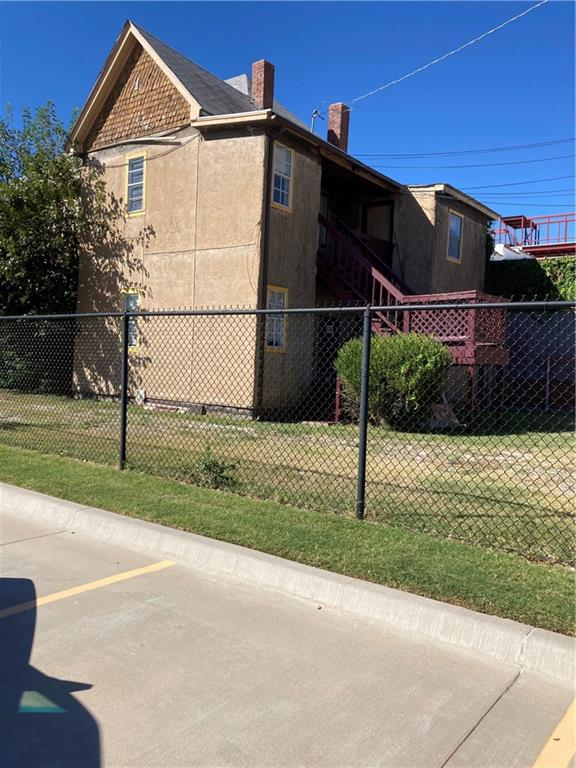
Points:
(263, 84)
(338, 125)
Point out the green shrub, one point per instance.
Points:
(533, 279)
(407, 377)
(26, 356)
(212, 472)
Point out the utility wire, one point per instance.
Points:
(517, 204)
(455, 153)
(568, 194)
(519, 183)
(477, 165)
(529, 194)
(446, 55)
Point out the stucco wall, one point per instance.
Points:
(469, 274)
(421, 237)
(414, 238)
(203, 212)
(292, 254)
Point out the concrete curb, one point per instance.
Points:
(534, 650)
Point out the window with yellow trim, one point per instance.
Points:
(277, 298)
(282, 182)
(131, 302)
(135, 190)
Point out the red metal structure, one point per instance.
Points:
(551, 235)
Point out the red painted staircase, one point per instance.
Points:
(354, 272)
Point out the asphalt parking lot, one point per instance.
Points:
(113, 658)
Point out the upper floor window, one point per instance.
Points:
(282, 185)
(276, 323)
(455, 237)
(131, 302)
(135, 189)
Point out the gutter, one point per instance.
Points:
(447, 190)
(327, 150)
(264, 259)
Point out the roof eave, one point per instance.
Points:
(327, 150)
(216, 121)
(458, 195)
(337, 155)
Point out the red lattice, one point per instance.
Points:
(443, 324)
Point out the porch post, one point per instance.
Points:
(123, 390)
(363, 416)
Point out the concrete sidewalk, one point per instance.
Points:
(187, 668)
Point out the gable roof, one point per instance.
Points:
(211, 97)
(215, 96)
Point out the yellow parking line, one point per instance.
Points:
(84, 588)
(561, 746)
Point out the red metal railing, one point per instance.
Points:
(535, 231)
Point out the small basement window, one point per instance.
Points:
(455, 237)
(135, 188)
(282, 183)
(276, 324)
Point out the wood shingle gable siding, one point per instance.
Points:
(141, 102)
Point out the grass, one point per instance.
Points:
(512, 491)
(495, 583)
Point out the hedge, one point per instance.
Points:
(407, 376)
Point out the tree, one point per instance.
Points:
(52, 206)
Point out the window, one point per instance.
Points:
(135, 190)
(282, 190)
(131, 303)
(276, 324)
(455, 237)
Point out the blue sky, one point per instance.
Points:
(515, 87)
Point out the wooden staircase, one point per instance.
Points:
(355, 273)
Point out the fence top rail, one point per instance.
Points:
(511, 305)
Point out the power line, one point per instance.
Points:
(519, 183)
(528, 194)
(455, 153)
(477, 165)
(517, 204)
(446, 55)
(559, 204)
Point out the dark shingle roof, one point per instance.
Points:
(215, 96)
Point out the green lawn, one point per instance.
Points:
(462, 574)
(509, 488)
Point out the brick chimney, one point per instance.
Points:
(263, 84)
(338, 125)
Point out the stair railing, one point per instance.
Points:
(360, 276)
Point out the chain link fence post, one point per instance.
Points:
(123, 390)
(363, 415)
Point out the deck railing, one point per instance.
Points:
(522, 231)
(352, 274)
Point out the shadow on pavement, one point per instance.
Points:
(41, 723)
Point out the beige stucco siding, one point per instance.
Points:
(203, 214)
(414, 236)
(469, 274)
(293, 246)
(421, 235)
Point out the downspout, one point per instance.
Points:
(264, 261)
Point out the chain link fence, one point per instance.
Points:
(470, 437)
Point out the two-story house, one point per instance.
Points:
(248, 207)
